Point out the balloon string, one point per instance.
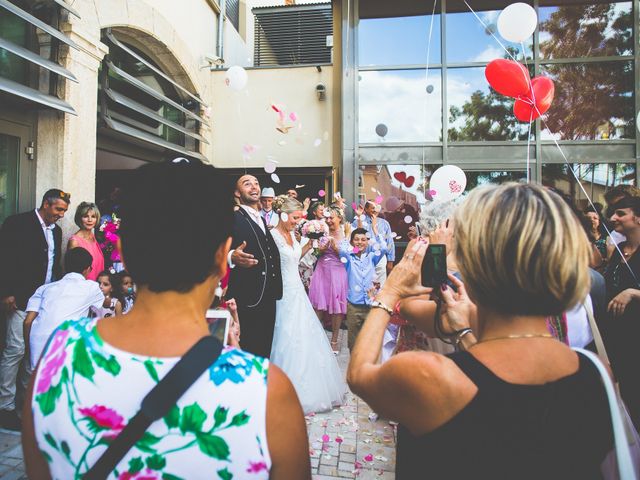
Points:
(530, 102)
(490, 31)
(577, 179)
(426, 103)
(528, 146)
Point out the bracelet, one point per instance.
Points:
(460, 335)
(383, 306)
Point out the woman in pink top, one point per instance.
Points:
(86, 217)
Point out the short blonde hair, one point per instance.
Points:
(83, 209)
(521, 250)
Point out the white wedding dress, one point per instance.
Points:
(300, 345)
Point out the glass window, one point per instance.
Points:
(9, 158)
(15, 30)
(406, 102)
(398, 40)
(593, 101)
(477, 112)
(596, 179)
(468, 40)
(476, 178)
(585, 29)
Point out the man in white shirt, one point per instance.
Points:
(266, 200)
(70, 298)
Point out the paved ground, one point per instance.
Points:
(344, 443)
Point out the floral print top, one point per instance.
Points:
(86, 390)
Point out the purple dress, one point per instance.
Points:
(328, 288)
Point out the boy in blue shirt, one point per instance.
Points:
(360, 260)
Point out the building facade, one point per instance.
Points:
(414, 96)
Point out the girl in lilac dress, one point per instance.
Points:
(328, 288)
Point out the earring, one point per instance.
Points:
(218, 291)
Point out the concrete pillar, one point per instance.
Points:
(67, 143)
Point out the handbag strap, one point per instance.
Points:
(157, 403)
(623, 453)
(595, 332)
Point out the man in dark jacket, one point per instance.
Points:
(255, 280)
(30, 251)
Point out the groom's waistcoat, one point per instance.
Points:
(263, 282)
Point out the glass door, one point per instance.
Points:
(9, 171)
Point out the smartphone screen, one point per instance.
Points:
(434, 266)
(219, 323)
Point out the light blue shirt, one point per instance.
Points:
(51, 253)
(384, 230)
(361, 270)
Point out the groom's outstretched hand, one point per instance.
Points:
(242, 259)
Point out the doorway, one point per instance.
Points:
(17, 176)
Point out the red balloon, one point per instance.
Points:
(541, 96)
(400, 176)
(508, 77)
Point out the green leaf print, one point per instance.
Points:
(47, 400)
(135, 465)
(82, 363)
(111, 365)
(213, 446)
(156, 462)
(168, 476)
(50, 440)
(239, 419)
(225, 474)
(65, 449)
(146, 442)
(46, 455)
(172, 419)
(192, 419)
(220, 416)
(151, 369)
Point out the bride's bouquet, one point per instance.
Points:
(315, 230)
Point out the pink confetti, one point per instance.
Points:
(379, 199)
(275, 107)
(248, 149)
(339, 440)
(321, 193)
(357, 465)
(293, 117)
(355, 207)
(281, 116)
(368, 458)
(433, 193)
(356, 250)
(326, 438)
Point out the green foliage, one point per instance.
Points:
(213, 446)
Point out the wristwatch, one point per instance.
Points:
(379, 304)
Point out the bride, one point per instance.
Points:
(300, 346)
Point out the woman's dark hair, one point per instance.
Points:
(77, 260)
(116, 284)
(629, 202)
(175, 216)
(314, 206)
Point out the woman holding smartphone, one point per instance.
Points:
(511, 403)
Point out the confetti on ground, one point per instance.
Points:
(326, 438)
(368, 458)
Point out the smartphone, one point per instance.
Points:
(219, 321)
(434, 266)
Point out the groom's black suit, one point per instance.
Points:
(256, 289)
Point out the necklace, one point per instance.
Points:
(523, 335)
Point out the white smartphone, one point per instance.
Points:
(219, 323)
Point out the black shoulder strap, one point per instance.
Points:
(157, 403)
(477, 372)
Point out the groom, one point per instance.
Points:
(255, 280)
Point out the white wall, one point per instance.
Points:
(246, 118)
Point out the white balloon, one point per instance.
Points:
(236, 78)
(448, 182)
(517, 22)
(270, 167)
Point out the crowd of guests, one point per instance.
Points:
(478, 369)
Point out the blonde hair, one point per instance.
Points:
(521, 250)
(286, 204)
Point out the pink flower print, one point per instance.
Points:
(53, 361)
(146, 474)
(102, 418)
(257, 467)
